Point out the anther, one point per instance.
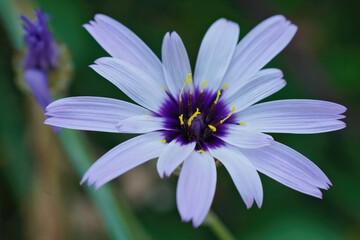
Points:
(201, 151)
(181, 119)
(212, 128)
(242, 123)
(163, 88)
(163, 141)
(193, 116)
(232, 111)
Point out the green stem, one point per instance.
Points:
(218, 228)
(103, 199)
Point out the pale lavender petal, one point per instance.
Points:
(242, 172)
(124, 157)
(263, 84)
(173, 155)
(175, 62)
(293, 116)
(90, 113)
(141, 124)
(196, 187)
(241, 136)
(122, 43)
(256, 49)
(38, 83)
(133, 81)
(215, 53)
(288, 167)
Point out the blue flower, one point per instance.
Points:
(193, 120)
(42, 56)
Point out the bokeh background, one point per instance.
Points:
(40, 197)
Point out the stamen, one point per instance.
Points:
(193, 116)
(201, 151)
(163, 141)
(212, 128)
(217, 97)
(232, 111)
(181, 119)
(242, 123)
(163, 88)
(202, 87)
(200, 101)
(190, 80)
(224, 86)
(183, 87)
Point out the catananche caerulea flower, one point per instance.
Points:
(42, 56)
(193, 120)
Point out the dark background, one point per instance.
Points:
(42, 199)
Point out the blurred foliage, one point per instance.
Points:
(322, 62)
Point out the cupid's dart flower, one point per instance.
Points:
(42, 56)
(192, 120)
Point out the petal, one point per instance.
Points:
(90, 113)
(38, 84)
(122, 43)
(242, 172)
(175, 62)
(215, 53)
(261, 85)
(241, 136)
(134, 82)
(173, 155)
(124, 157)
(293, 116)
(256, 49)
(196, 187)
(288, 167)
(141, 124)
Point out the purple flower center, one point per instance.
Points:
(197, 115)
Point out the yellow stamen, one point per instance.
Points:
(224, 86)
(232, 111)
(163, 88)
(212, 128)
(201, 151)
(202, 87)
(188, 79)
(242, 123)
(146, 113)
(193, 116)
(217, 97)
(181, 119)
(163, 141)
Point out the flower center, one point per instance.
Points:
(198, 115)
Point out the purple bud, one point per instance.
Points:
(42, 51)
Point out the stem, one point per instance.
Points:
(218, 227)
(103, 199)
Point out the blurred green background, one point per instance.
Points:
(40, 197)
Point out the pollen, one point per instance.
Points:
(163, 141)
(242, 123)
(223, 120)
(224, 86)
(217, 97)
(163, 88)
(193, 116)
(212, 128)
(188, 79)
(201, 151)
(202, 87)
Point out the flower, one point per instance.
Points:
(193, 120)
(42, 56)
